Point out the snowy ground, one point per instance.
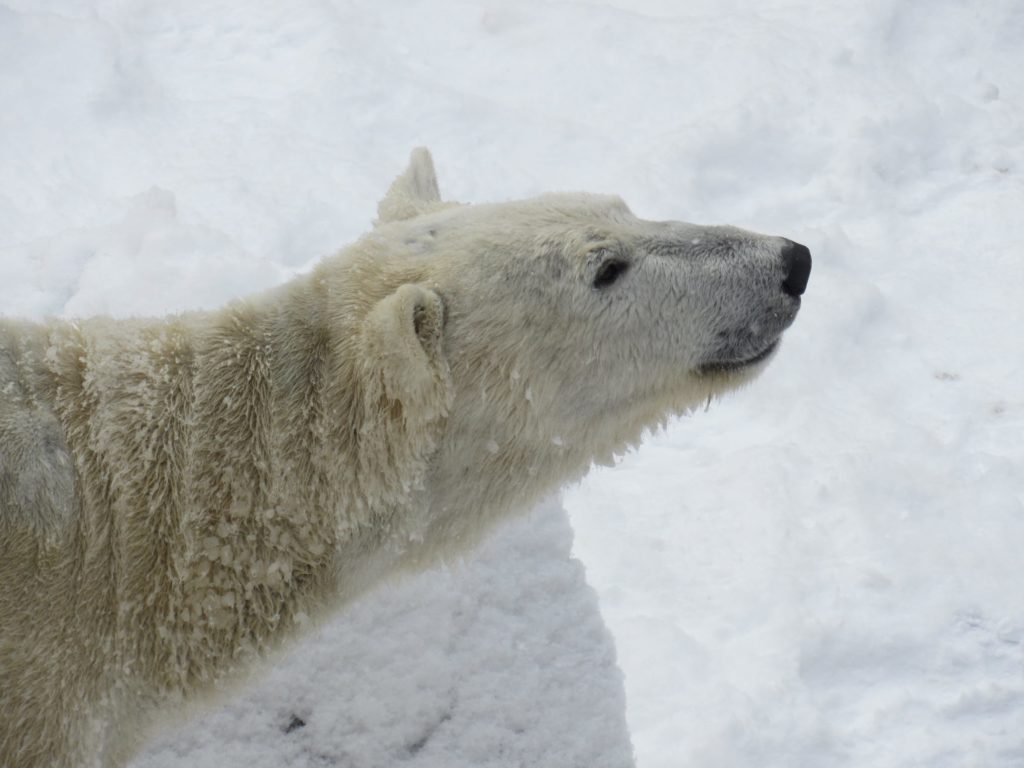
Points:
(823, 570)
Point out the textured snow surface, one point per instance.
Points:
(504, 661)
(823, 570)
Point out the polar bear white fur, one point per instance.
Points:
(179, 495)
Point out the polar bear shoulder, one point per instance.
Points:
(36, 469)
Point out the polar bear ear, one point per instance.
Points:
(413, 193)
(407, 384)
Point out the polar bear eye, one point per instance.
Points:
(609, 272)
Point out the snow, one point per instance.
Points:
(481, 664)
(822, 570)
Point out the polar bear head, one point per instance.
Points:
(553, 331)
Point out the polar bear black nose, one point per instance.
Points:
(797, 261)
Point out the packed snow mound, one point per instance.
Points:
(502, 660)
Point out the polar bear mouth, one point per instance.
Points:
(727, 366)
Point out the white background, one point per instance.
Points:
(823, 570)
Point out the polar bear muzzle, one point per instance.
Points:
(752, 336)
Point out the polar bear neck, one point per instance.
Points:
(218, 486)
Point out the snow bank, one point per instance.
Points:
(501, 661)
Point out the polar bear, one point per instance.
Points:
(178, 496)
